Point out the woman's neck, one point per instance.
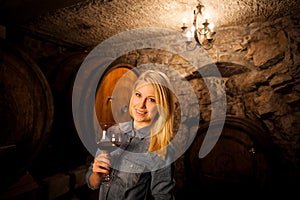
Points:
(137, 125)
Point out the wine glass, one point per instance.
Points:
(109, 144)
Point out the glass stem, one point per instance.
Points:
(103, 134)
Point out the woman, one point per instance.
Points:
(142, 167)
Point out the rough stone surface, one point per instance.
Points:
(88, 22)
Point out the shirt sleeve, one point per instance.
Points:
(89, 173)
(87, 177)
(163, 183)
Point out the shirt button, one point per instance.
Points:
(131, 165)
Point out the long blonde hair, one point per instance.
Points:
(161, 130)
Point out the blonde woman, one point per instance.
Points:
(141, 168)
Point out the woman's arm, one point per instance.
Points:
(99, 167)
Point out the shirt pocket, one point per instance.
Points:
(130, 171)
(131, 165)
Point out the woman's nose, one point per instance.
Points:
(142, 103)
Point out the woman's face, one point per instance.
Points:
(143, 105)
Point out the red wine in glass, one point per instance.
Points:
(109, 145)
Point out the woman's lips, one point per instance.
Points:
(139, 112)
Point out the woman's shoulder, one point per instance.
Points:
(121, 127)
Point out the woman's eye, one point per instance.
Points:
(151, 100)
(137, 94)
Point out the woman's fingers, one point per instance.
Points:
(102, 163)
(104, 158)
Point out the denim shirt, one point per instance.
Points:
(136, 173)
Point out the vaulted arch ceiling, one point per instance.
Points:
(88, 22)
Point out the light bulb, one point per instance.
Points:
(188, 36)
(211, 27)
(184, 21)
(193, 28)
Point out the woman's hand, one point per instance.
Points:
(102, 163)
(101, 166)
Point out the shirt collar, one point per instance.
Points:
(143, 132)
(127, 128)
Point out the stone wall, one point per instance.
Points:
(269, 89)
(259, 64)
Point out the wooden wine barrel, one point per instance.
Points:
(26, 108)
(239, 163)
(65, 149)
(113, 95)
(61, 71)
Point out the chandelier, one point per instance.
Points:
(202, 30)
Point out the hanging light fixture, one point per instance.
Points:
(201, 30)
